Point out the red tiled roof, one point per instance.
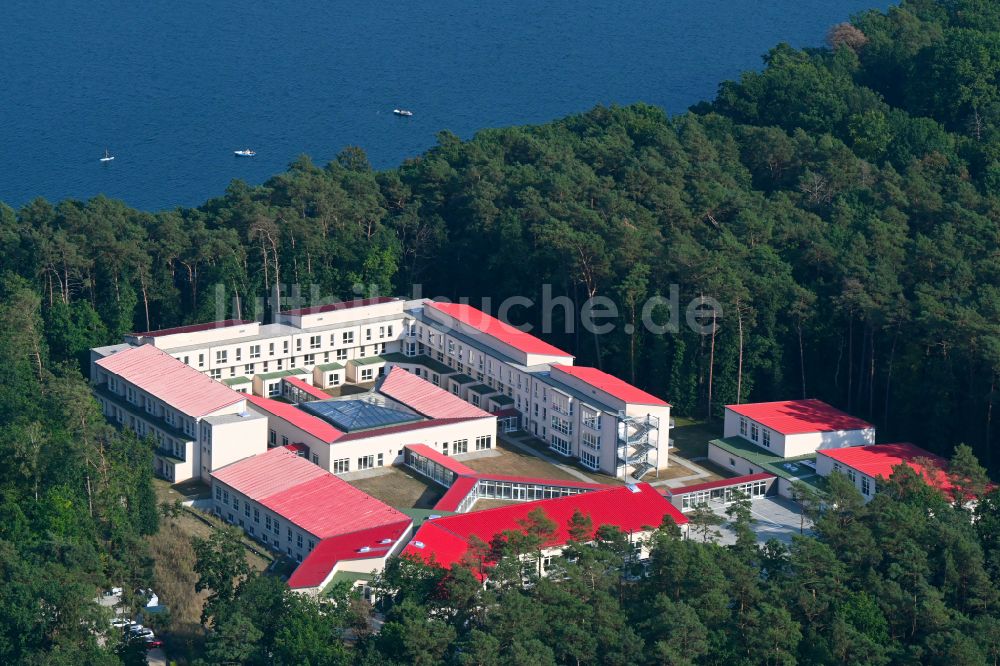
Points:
(425, 398)
(343, 305)
(305, 494)
(721, 483)
(194, 328)
(459, 491)
(609, 384)
(492, 326)
(268, 473)
(878, 460)
(313, 425)
(172, 381)
(440, 458)
(307, 388)
(318, 564)
(405, 427)
(619, 506)
(794, 417)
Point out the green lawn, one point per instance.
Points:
(691, 437)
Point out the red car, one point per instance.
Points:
(153, 643)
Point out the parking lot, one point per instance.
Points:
(774, 517)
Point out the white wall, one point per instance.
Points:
(790, 446)
(232, 441)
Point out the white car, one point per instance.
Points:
(120, 622)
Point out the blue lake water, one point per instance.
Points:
(173, 88)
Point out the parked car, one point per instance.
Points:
(120, 622)
(153, 642)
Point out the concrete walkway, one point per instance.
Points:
(698, 472)
(524, 448)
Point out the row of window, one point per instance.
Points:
(757, 434)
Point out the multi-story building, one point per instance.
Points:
(198, 425)
(582, 413)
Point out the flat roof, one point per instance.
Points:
(236, 381)
(340, 305)
(483, 389)
(165, 378)
(792, 469)
(368, 360)
(795, 417)
(721, 483)
(194, 328)
(613, 386)
(428, 362)
(505, 333)
(326, 367)
(459, 378)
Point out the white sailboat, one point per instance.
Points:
(107, 156)
(402, 112)
(246, 152)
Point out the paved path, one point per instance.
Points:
(156, 657)
(552, 461)
(698, 472)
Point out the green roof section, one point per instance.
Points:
(368, 360)
(792, 469)
(328, 367)
(351, 577)
(420, 515)
(396, 357)
(502, 399)
(462, 379)
(279, 373)
(236, 381)
(482, 389)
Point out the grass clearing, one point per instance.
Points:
(401, 488)
(691, 437)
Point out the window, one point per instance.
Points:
(284, 440)
(248, 369)
(289, 532)
(272, 438)
(866, 486)
(217, 374)
(256, 515)
(743, 426)
(276, 527)
(298, 539)
(254, 351)
(368, 334)
(388, 330)
(270, 349)
(347, 337)
(592, 440)
(246, 509)
(239, 353)
(315, 458)
(284, 346)
(381, 331)
(218, 494)
(274, 389)
(380, 462)
(766, 434)
(341, 354)
(314, 342)
(851, 475)
(363, 351)
(754, 432)
(366, 462)
(591, 419)
(589, 459)
(561, 425)
(221, 356)
(298, 344)
(236, 504)
(559, 445)
(201, 360)
(341, 466)
(367, 374)
(333, 379)
(484, 442)
(267, 522)
(461, 446)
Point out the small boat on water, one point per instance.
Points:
(246, 152)
(402, 112)
(107, 156)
